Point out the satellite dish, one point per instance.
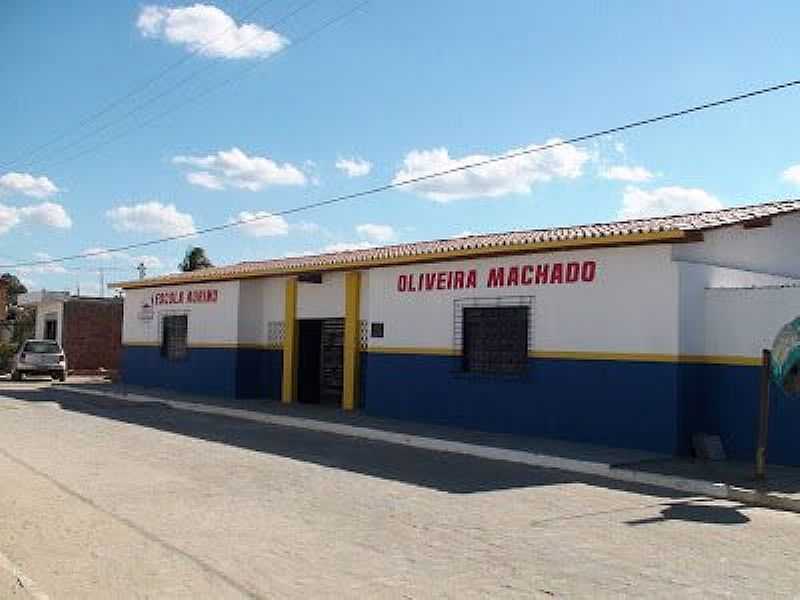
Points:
(785, 362)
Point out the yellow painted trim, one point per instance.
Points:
(611, 356)
(352, 339)
(219, 345)
(290, 343)
(622, 356)
(259, 346)
(574, 244)
(413, 350)
(746, 361)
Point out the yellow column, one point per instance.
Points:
(352, 343)
(289, 387)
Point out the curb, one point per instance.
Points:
(700, 487)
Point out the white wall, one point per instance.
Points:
(773, 249)
(631, 306)
(43, 311)
(209, 323)
(321, 300)
(260, 303)
(742, 322)
(694, 280)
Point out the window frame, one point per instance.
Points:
(165, 351)
(462, 367)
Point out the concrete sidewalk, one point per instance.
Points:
(723, 480)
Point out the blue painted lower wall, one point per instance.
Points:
(649, 406)
(726, 400)
(228, 372)
(625, 404)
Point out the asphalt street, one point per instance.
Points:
(104, 498)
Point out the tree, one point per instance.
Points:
(15, 287)
(194, 260)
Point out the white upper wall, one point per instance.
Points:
(774, 249)
(631, 305)
(321, 300)
(742, 322)
(695, 279)
(210, 322)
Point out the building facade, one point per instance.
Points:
(633, 334)
(88, 329)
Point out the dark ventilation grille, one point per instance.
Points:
(173, 342)
(495, 339)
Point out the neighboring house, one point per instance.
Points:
(89, 329)
(635, 333)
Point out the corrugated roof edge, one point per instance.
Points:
(669, 229)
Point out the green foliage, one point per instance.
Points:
(7, 352)
(195, 259)
(15, 287)
(25, 326)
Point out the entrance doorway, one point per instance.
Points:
(320, 364)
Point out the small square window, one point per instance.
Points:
(174, 339)
(495, 340)
(377, 330)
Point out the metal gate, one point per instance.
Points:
(332, 359)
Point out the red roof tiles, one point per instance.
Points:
(652, 230)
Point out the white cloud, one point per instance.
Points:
(27, 184)
(9, 218)
(101, 254)
(512, 176)
(151, 217)
(46, 213)
(376, 233)
(205, 179)
(233, 168)
(49, 214)
(638, 203)
(209, 31)
(792, 174)
(263, 224)
(346, 246)
(331, 248)
(630, 174)
(354, 167)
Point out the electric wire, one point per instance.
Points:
(410, 181)
(210, 89)
(131, 93)
(164, 93)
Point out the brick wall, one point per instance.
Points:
(92, 334)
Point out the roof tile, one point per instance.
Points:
(677, 223)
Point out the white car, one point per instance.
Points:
(39, 357)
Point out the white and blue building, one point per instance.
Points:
(633, 334)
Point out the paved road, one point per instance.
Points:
(102, 498)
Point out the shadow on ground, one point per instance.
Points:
(698, 511)
(443, 471)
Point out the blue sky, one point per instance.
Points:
(393, 90)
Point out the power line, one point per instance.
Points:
(169, 90)
(131, 93)
(437, 174)
(208, 90)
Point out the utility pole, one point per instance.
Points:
(102, 282)
(142, 270)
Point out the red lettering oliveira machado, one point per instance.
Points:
(514, 276)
